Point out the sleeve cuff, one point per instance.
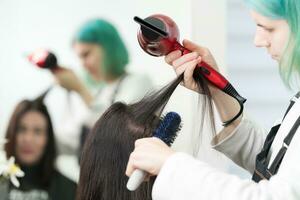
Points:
(226, 137)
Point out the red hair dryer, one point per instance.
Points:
(159, 35)
(44, 59)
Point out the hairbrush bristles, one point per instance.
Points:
(168, 128)
(166, 131)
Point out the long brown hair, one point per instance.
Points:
(108, 146)
(46, 163)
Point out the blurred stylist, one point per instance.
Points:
(104, 58)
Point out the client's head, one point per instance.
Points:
(106, 153)
(108, 146)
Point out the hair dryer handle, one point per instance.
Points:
(136, 179)
(213, 76)
(210, 73)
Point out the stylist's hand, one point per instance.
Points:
(67, 79)
(187, 63)
(149, 155)
(70, 81)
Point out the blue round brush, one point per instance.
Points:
(167, 132)
(168, 128)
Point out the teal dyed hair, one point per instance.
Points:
(99, 31)
(288, 10)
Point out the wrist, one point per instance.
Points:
(81, 89)
(166, 158)
(85, 95)
(215, 92)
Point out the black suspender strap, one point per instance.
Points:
(116, 90)
(113, 97)
(289, 137)
(261, 164)
(292, 102)
(287, 140)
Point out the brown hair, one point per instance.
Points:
(46, 163)
(108, 146)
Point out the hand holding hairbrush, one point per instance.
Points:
(158, 35)
(167, 132)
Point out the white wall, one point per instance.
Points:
(209, 27)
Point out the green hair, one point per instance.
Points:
(288, 10)
(100, 31)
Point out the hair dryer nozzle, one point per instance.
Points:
(157, 35)
(43, 59)
(150, 26)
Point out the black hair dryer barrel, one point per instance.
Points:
(45, 59)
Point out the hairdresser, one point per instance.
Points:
(105, 79)
(271, 157)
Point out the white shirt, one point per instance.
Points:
(183, 177)
(132, 88)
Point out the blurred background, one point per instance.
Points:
(224, 26)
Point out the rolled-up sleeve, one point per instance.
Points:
(242, 144)
(183, 177)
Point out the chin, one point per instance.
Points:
(28, 161)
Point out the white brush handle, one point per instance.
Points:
(135, 180)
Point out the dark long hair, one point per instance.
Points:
(108, 146)
(46, 163)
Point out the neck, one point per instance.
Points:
(34, 167)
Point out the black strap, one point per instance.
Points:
(289, 137)
(269, 140)
(113, 97)
(292, 102)
(261, 165)
(287, 140)
(116, 90)
(277, 161)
